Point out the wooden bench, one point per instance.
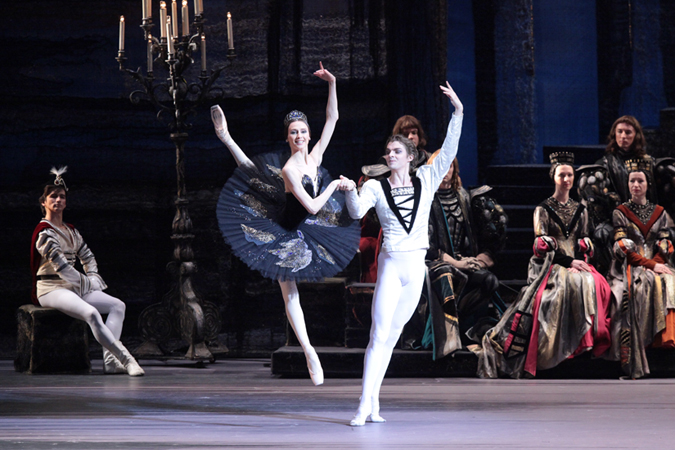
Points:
(49, 341)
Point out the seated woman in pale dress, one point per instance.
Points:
(641, 276)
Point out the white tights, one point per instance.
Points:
(400, 276)
(296, 318)
(89, 308)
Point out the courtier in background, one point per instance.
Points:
(604, 185)
(641, 277)
(402, 202)
(371, 231)
(466, 231)
(564, 309)
(57, 284)
(283, 217)
(411, 128)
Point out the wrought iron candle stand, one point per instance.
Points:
(181, 313)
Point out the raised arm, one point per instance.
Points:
(331, 115)
(448, 152)
(293, 180)
(223, 134)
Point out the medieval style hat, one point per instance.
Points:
(59, 181)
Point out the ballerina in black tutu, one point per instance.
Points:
(283, 216)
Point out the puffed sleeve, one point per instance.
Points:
(48, 246)
(540, 219)
(620, 223)
(89, 264)
(358, 203)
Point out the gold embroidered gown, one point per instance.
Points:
(642, 311)
(554, 317)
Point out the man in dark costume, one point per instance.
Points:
(466, 231)
(604, 185)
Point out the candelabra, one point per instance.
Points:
(181, 313)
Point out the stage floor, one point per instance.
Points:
(238, 404)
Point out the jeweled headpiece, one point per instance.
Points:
(59, 181)
(643, 165)
(293, 116)
(562, 158)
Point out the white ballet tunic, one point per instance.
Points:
(396, 237)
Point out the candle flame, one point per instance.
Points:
(162, 5)
(121, 18)
(229, 16)
(184, 2)
(203, 37)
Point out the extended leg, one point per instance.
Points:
(296, 318)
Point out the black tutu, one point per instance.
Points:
(273, 233)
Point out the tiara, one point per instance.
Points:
(639, 165)
(294, 116)
(565, 158)
(59, 181)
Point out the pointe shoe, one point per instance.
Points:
(314, 367)
(112, 365)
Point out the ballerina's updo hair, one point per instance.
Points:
(295, 116)
(560, 159)
(59, 184)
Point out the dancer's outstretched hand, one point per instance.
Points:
(450, 93)
(218, 118)
(346, 184)
(324, 74)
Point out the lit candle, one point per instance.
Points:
(199, 7)
(121, 33)
(169, 38)
(203, 53)
(186, 18)
(230, 37)
(144, 3)
(162, 18)
(174, 18)
(149, 52)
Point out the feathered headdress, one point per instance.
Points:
(59, 181)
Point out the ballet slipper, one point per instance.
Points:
(314, 367)
(375, 416)
(112, 365)
(361, 415)
(358, 420)
(129, 362)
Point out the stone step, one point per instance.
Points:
(520, 194)
(518, 174)
(289, 361)
(520, 216)
(519, 238)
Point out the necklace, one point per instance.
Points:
(643, 212)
